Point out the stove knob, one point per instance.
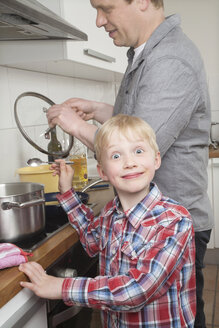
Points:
(64, 272)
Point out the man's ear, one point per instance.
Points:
(143, 4)
(157, 160)
(101, 173)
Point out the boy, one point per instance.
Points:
(145, 241)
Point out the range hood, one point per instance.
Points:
(30, 20)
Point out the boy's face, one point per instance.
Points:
(129, 163)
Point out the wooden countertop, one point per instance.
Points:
(213, 153)
(46, 254)
(50, 251)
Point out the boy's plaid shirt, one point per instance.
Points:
(146, 262)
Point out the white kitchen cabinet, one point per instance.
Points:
(83, 15)
(215, 178)
(70, 58)
(211, 197)
(24, 310)
(213, 191)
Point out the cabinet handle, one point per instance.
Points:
(99, 55)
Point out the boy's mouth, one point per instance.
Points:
(132, 175)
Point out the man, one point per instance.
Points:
(164, 84)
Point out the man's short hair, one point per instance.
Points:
(157, 3)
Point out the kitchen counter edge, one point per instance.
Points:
(213, 153)
(45, 255)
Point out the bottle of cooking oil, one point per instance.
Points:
(78, 155)
(54, 146)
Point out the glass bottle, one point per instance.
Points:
(78, 155)
(54, 146)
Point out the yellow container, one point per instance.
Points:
(39, 174)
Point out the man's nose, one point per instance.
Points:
(101, 18)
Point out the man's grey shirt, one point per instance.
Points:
(167, 87)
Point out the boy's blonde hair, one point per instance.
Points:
(123, 123)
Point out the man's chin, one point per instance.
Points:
(118, 43)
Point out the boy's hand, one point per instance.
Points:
(65, 173)
(41, 283)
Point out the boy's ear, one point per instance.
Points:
(101, 172)
(157, 161)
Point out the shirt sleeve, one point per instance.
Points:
(151, 278)
(82, 219)
(167, 95)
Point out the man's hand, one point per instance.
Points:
(75, 108)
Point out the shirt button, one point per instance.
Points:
(114, 251)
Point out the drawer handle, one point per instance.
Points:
(99, 55)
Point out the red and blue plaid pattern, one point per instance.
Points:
(146, 262)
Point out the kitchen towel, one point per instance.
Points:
(12, 255)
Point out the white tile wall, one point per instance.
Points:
(15, 150)
(6, 117)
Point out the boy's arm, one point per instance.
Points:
(82, 218)
(151, 278)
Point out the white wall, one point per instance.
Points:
(15, 150)
(200, 22)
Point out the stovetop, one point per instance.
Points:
(56, 220)
(32, 243)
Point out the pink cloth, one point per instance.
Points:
(12, 255)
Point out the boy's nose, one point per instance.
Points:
(100, 19)
(129, 162)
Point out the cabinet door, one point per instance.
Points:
(24, 310)
(99, 50)
(210, 195)
(216, 202)
(38, 319)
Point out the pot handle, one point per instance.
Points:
(91, 185)
(10, 205)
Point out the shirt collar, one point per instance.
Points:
(137, 213)
(159, 33)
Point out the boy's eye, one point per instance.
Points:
(115, 156)
(139, 151)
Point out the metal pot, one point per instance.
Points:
(22, 210)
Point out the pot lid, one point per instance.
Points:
(30, 110)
